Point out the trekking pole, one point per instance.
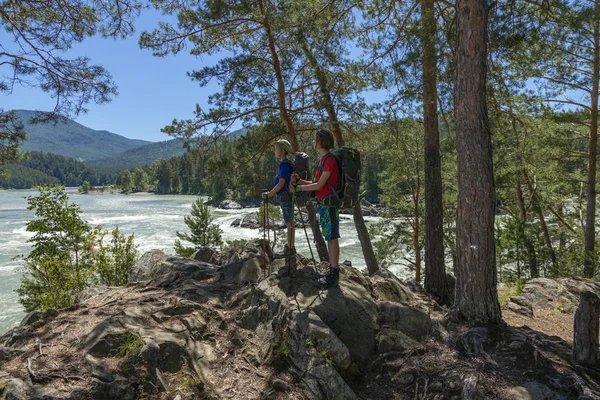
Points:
(304, 226)
(289, 255)
(264, 231)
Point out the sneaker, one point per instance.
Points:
(331, 279)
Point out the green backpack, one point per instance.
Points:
(346, 194)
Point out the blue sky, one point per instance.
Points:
(152, 90)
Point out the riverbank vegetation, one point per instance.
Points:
(68, 255)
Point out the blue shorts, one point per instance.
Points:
(287, 211)
(330, 222)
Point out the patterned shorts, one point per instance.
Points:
(330, 222)
(287, 211)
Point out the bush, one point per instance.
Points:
(63, 260)
(114, 260)
(60, 262)
(85, 188)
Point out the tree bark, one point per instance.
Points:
(535, 203)
(585, 330)
(281, 92)
(476, 293)
(435, 269)
(531, 256)
(365, 240)
(323, 88)
(589, 264)
(327, 102)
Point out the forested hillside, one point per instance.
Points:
(140, 156)
(40, 168)
(71, 139)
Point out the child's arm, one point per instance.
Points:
(280, 185)
(298, 181)
(312, 187)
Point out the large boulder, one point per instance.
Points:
(250, 221)
(408, 320)
(549, 294)
(387, 287)
(230, 205)
(243, 271)
(250, 249)
(172, 271)
(147, 266)
(206, 254)
(532, 391)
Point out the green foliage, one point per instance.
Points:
(60, 262)
(40, 168)
(132, 346)
(515, 290)
(126, 182)
(403, 188)
(230, 244)
(203, 231)
(63, 262)
(84, 188)
(326, 355)
(281, 349)
(114, 260)
(11, 136)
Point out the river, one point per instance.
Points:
(152, 219)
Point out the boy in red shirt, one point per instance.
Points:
(324, 187)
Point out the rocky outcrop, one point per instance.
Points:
(551, 294)
(246, 325)
(248, 220)
(186, 324)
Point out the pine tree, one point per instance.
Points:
(203, 231)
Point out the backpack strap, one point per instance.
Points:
(321, 167)
(291, 164)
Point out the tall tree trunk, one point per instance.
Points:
(435, 269)
(476, 294)
(537, 208)
(285, 117)
(327, 102)
(589, 265)
(531, 256)
(365, 240)
(417, 230)
(322, 80)
(281, 92)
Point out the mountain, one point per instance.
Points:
(71, 139)
(147, 154)
(143, 155)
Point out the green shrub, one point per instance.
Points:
(114, 260)
(60, 262)
(132, 346)
(63, 260)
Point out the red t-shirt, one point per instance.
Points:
(332, 167)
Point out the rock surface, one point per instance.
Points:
(245, 325)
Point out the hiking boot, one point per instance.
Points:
(332, 278)
(326, 272)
